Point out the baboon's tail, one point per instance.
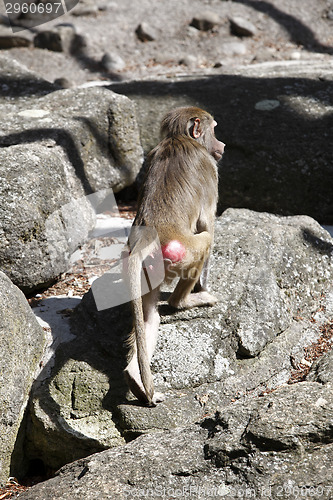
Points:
(134, 269)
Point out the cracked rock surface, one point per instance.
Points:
(273, 446)
(206, 358)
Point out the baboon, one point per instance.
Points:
(178, 200)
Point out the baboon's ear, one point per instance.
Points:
(196, 130)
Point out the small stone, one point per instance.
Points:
(267, 105)
(104, 5)
(57, 39)
(296, 55)
(9, 40)
(192, 31)
(112, 62)
(85, 8)
(145, 33)
(189, 60)
(241, 27)
(78, 44)
(205, 21)
(49, 40)
(329, 14)
(63, 83)
(61, 38)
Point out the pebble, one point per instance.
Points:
(296, 55)
(241, 27)
(85, 8)
(189, 60)
(329, 14)
(107, 5)
(112, 62)
(205, 21)
(61, 38)
(267, 105)
(63, 82)
(145, 33)
(192, 31)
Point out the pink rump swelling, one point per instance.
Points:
(174, 251)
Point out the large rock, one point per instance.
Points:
(17, 81)
(71, 410)
(54, 151)
(273, 268)
(277, 446)
(44, 214)
(322, 370)
(276, 121)
(21, 345)
(95, 128)
(269, 273)
(69, 419)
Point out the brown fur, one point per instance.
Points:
(179, 200)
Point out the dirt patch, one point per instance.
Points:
(301, 29)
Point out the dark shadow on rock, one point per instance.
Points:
(100, 341)
(103, 142)
(96, 338)
(321, 246)
(62, 138)
(25, 86)
(278, 160)
(79, 53)
(299, 33)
